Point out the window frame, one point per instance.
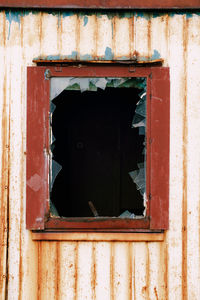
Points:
(38, 149)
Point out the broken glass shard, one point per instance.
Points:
(56, 167)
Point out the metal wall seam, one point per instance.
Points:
(4, 154)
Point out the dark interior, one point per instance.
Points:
(97, 148)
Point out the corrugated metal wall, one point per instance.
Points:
(101, 270)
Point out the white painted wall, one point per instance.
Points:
(101, 270)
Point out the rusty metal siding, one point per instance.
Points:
(101, 270)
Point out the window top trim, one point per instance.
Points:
(100, 4)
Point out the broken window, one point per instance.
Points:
(97, 148)
(98, 152)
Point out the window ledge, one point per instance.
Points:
(98, 236)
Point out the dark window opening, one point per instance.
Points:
(95, 152)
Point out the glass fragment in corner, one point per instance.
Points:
(98, 154)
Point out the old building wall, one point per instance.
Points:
(101, 270)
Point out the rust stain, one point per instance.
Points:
(185, 140)
(134, 287)
(77, 31)
(21, 172)
(39, 277)
(130, 266)
(96, 37)
(164, 263)
(147, 270)
(112, 271)
(156, 293)
(40, 31)
(76, 271)
(167, 32)
(114, 35)
(164, 248)
(93, 271)
(79, 63)
(131, 37)
(144, 289)
(59, 31)
(149, 37)
(4, 207)
(58, 267)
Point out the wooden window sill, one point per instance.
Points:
(98, 236)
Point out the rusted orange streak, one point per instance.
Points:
(149, 37)
(77, 35)
(39, 271)
(113, 34)
(21, 177)
(165, 261)
(112, 271)
(93, 271)
(147, 270)
(4, 192)
(185, 137)
(131, 37)
(76, 271)
(130, 266)
(58, 267)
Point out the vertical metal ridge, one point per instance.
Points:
(4, 212)
(39, 271)
(112, 270)
(133, 273)
(149, 37)
(164, 249)
(77, 36)
(76, 272)
(185, 154)
(21, 169)
(131, 37)
(130, 263)
(59, 26)
(58, 266)
(96, 36)
(147, 269)
(93, 271)
(113, 36)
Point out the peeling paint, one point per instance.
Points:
(123, 58)
(54, 57)
(73, 55)
(13, 16)
(86, 57)
(187, 14)
(143, 15)
(59, 19)
(108, 53)
(85, 20)
(66, 14)
(156, 55)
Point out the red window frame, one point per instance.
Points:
(157, 136)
